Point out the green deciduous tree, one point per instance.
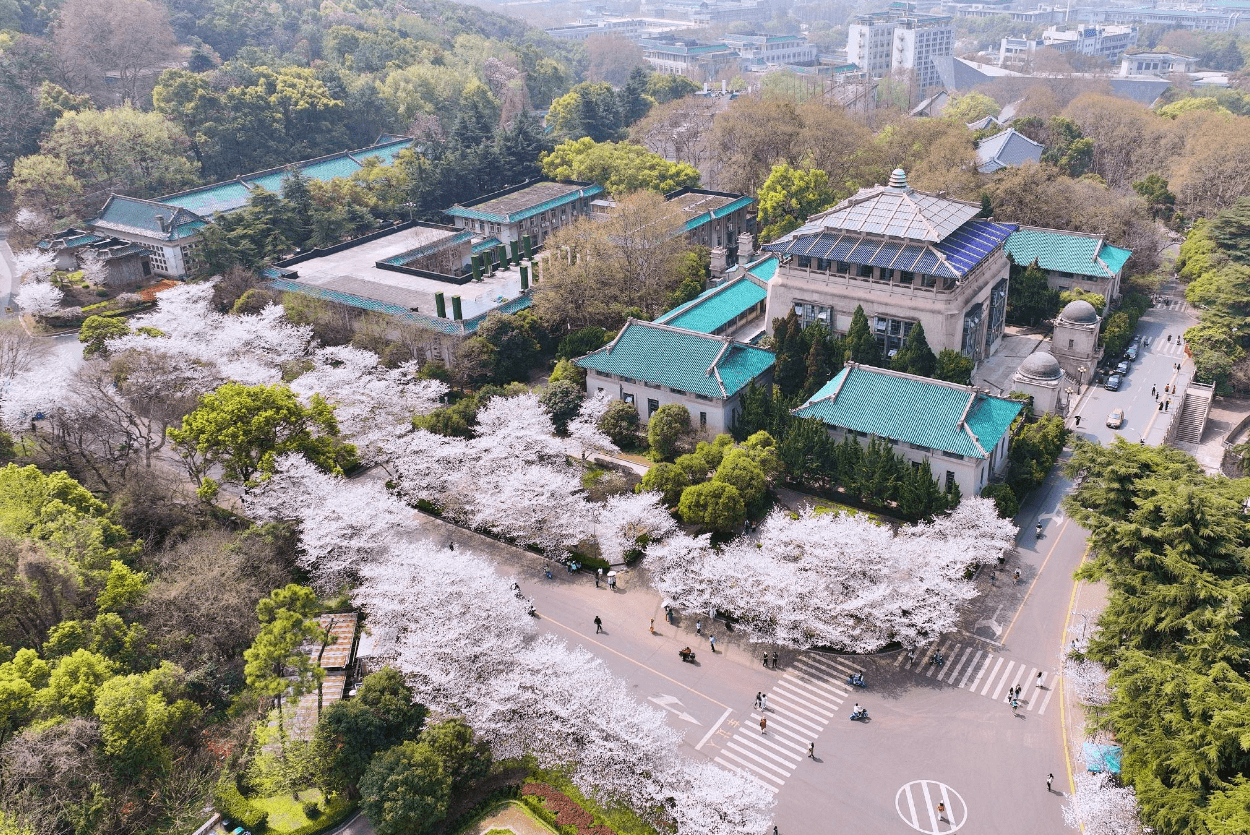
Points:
(406, 790)
(789, 196)
(668, 480)
(349, 733)
(714, 505)
(73, 683)
(97, 330)
(618, 167)
(667, 431)
(620, 422)
(739, 468)
(244, 428)
(138, 714)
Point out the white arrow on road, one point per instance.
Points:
(991, 623)
(666, 702)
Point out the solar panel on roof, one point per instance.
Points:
(907, 258)
(884, 257)
(926, 262)
(821, 245)
(843, 247)
(862, 254)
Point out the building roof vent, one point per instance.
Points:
(898, 180)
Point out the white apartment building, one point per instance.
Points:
(772, 50)
(900, 39)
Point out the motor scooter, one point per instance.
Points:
(856, 680)
(859, 715)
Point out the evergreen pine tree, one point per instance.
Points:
(915, 357)
(633, 101)
(861, 344)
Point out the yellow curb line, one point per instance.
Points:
(1076, 584)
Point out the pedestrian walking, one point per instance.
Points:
(598, 624)
(1154, 391)
(652, 626)
(774, 660)
(1077, 419)
(1017, 575)
(698, 627)
(1167, 405)
(942, 812)
(1040, 676)
(765, 658)
(774, 830)
(668, 613)
(758, 696)
(1050, 778)
(598, 576)
(811, 750)
(1015, 704)
(712, 640)
(1018, 691)
(763, 701)
(763, 724)
(451, 546)
(611, 582)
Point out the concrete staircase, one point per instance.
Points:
(1193, 417)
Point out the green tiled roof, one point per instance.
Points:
(679, 359)
(698, 220)
(764, 269)
(716, 307)
(913, 409)
(1066, 252)
(143, 217)
(234, 194)
(524, 212)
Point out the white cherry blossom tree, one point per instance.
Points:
(34, 265)
(452, 624)
(251, 349)
(40, 299)
(1101, 807)
(373, 404)
(829, 579)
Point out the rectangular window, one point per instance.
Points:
(702, 420)
(844, 267)
(652, 407)
(865, 271)
(626, 397)
(950, 480)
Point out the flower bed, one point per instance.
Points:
(567, 811)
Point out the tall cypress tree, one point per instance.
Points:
(861, 344)
(915, 357)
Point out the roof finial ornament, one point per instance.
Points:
(898, 179)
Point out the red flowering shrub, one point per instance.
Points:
(566, 810)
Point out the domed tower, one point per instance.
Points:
(1075, 340)
(1041, 377)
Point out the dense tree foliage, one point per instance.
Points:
(1170, 542)
(618, 167)
(1214, 261)
(1031, 300)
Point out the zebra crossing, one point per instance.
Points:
(981, 671)
(800, 705)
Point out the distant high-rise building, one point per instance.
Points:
(899, 38)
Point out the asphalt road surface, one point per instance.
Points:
(935, 734)
(1154, 368)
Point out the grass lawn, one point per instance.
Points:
(286, 813)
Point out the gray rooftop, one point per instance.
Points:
(895, 210)
(353, 271)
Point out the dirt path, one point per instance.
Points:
(513, 817)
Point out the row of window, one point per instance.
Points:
(653, 406)
(650, 385)
(868, 271)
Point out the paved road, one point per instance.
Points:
(7, 278)
(1155, 367)
(935, 734)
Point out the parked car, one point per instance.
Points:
(1130, 353)
(1123, 368)
(1116, 419)
(1113, 382)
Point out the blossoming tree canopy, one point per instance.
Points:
(247, 348)
(834, 579)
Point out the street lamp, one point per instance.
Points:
(1080, 381)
